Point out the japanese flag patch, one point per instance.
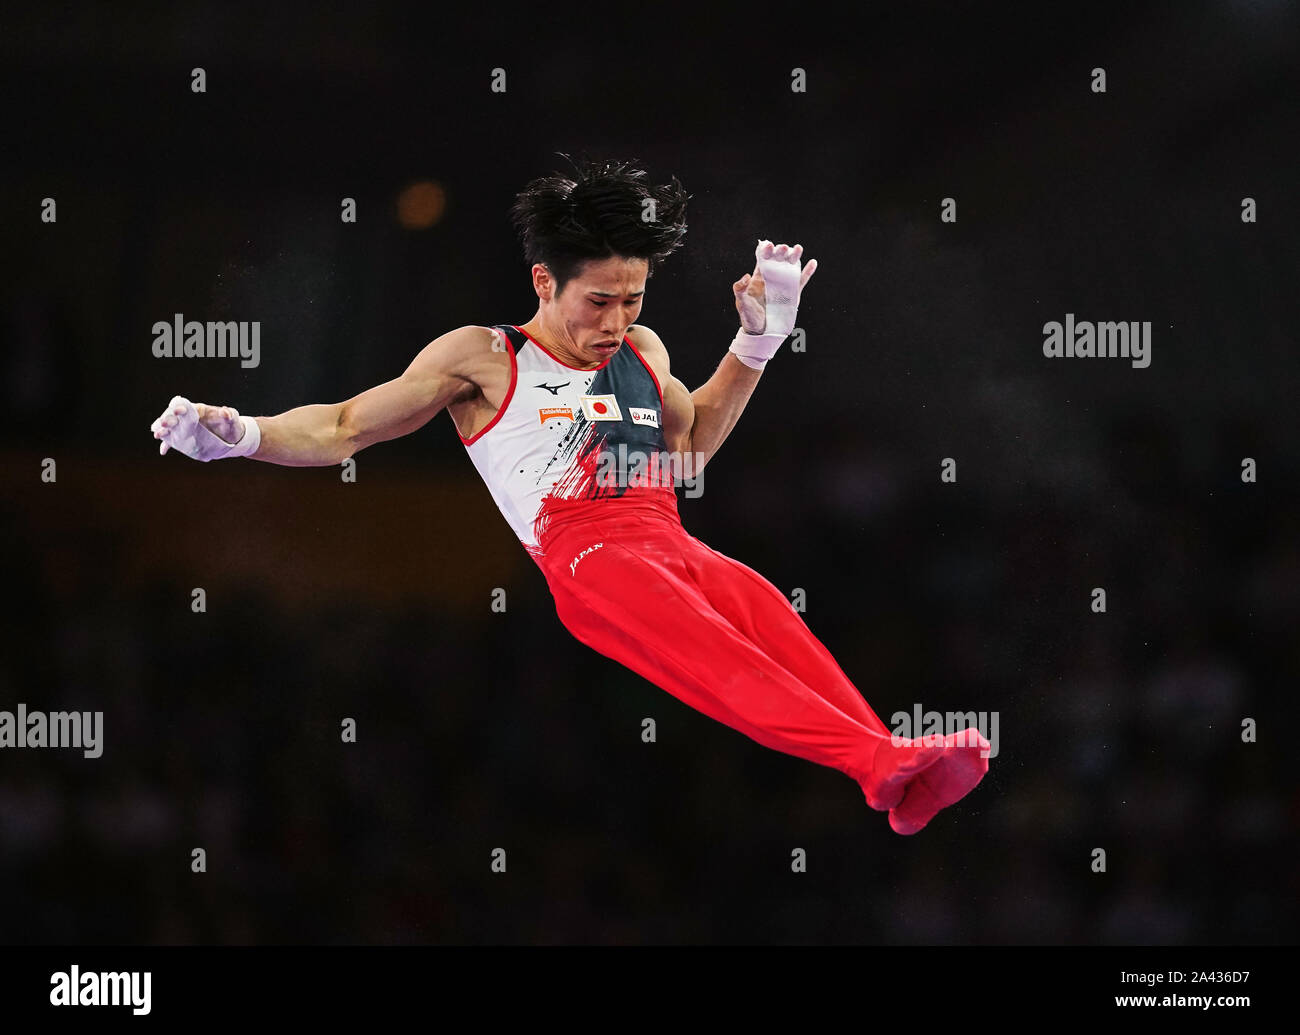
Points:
(601, 407)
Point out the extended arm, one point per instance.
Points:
(323, 434)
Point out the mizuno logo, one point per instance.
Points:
(553, 389)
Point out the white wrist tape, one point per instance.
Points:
(190, 437)
(251, 440)
(754, 350)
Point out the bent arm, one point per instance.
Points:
(719, 402)
(324, 434)
(698, 422)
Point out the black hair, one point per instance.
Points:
(565, 222)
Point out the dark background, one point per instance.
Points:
(480, 730)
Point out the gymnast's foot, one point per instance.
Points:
(897, 761)
(961, 765)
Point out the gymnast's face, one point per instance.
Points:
(595, 309)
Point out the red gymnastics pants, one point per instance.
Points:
(631, 583)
